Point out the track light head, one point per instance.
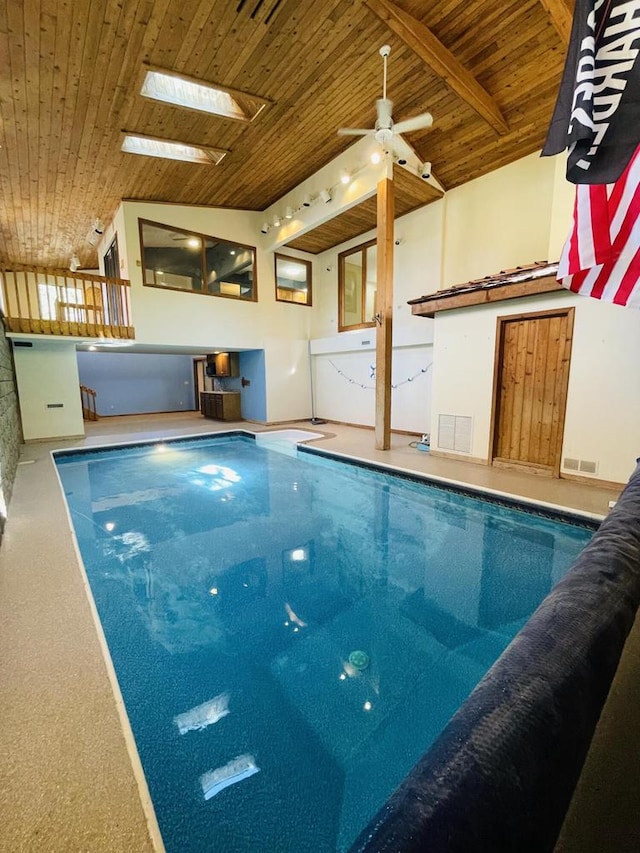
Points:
(276, 221)
(288, 214)
(265, 227)
(95, 232)
(325, 195)
(425, 171)
(307, 201)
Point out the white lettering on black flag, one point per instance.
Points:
(597, 114)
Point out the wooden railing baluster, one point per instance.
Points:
(48, 301)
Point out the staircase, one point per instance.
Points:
(88, 397)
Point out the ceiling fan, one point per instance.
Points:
(388, 134)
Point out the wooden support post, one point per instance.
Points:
(384, 312)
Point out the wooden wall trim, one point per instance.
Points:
(459, 457)
(591, 481)
(429, 305)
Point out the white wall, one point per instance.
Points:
(562, 200)
(342, 362)
(498, 221)
(603, 406)
(185, 319)
(47, 374)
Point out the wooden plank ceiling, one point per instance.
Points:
(72, 71)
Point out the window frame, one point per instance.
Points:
(362, 247)
(111, 258)
(203, 238)
(309, 281)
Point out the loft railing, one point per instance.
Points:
(88, 397)
(56, 302)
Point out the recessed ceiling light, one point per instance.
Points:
(198, 95)
(171, 150)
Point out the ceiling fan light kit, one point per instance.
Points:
(388, 134)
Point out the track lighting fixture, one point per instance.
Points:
(265, 228)
(325, 195)
(307, 201)
(425, 171)
(95, 232)
(288, 214)
(276, 221)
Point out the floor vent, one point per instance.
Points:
(571, 464)
(454, 433)
(588, 467)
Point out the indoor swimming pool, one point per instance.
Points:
(291, 632)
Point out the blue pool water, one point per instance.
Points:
(235, 584)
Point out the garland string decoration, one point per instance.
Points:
(372, 375)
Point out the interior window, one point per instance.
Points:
(293, 280)
(357, 287)
(183, 260)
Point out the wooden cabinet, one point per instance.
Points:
(221, 405)
(223, 364)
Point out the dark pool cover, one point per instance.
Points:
(500, 776)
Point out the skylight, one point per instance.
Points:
(136, 144)
(195, 95)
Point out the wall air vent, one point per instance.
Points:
(454, 433)
(22, 344)
(584, 466)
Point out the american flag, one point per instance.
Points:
(601, 257)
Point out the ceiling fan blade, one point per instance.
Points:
(416, 123)
(355, 131)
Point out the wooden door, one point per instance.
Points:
(530, 392)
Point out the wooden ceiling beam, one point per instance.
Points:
(422, 42)
(561, 17)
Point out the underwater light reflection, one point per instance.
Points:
(221, 477)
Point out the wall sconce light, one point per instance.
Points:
(288, 214)
(74, 263)
(307, 201)
(325, 195)
(276, 221)
(265, 227)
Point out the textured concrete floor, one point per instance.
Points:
(69, 779)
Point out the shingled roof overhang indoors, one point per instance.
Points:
(508, 284)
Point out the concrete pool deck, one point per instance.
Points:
(67, 782)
